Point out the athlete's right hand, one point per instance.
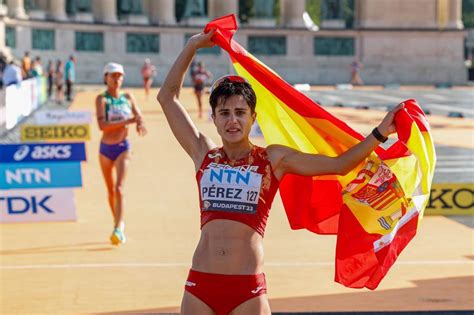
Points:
(202, 40)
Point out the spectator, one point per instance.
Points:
(3, 64)
(50, 74)
(70, 76)
(26, 65)
(59, 82)
(148, 72)
(356, 66)
(199, 76)
(12, 74)
(36, 68)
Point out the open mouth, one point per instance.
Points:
(232, 130)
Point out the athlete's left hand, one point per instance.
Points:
(387, 126)
(141, 129)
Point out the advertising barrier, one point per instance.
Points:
(62, 117)
(451, 199)
(40, 175)
(42, 152)
(31, 133)
(37, 205)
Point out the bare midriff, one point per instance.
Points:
(229, 247)
(114, 136)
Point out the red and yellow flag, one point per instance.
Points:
(376, 208)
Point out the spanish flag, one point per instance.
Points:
(375, 209)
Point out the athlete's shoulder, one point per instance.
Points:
(101, 97)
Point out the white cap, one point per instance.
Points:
(113, 67)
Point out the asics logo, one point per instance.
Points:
(190, 284)
(21, 153)
(258, 289)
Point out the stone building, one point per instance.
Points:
(398, 41)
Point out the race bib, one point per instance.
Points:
(230, 190)
(117, 114)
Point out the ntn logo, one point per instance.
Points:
(229, 175)
(28, 175)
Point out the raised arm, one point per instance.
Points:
(286, 160)
(104, 125)
(188, 136)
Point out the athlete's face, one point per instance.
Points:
(114, 80)
(233, 119)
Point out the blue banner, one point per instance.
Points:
(42, 152)
(40, 175)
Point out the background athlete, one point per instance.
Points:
(237, 183)
(116, 110)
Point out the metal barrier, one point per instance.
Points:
(20, 100)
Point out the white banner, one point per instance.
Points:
(61, 117)
(37, 205)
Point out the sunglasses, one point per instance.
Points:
(228, 78)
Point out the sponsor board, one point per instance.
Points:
(40, 175)
(37, 205)
(62, 117)
(451, 199)
(30, 133)
(42, 152)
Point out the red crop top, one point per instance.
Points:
(241, 190)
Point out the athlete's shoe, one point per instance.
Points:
(117, 237)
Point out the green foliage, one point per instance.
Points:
(313, 7)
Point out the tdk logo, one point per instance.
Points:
(22, 205)
(43, 152)
(28, 176)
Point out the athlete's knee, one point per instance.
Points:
(119, 191)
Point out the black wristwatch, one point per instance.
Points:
(380, 137)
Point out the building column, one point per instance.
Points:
(162, 12)
(455, 15)
(218, 8)
(57, 10)
(16, 9)
(291, 12)
(105, 11)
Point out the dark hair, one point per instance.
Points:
(228, 88)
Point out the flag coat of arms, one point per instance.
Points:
(376, 208)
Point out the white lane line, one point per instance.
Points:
(455, 163)
(435, 97)
(455, 157)
(167, 265)
(333, 98)
(382, 97)
(455, 170)
(451, 108)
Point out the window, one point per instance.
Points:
(10, 37)
(267, 45)
(334, 46)
(89, 41)
(215, 50)
(143, 43)
(42, 39)
(78, 6)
